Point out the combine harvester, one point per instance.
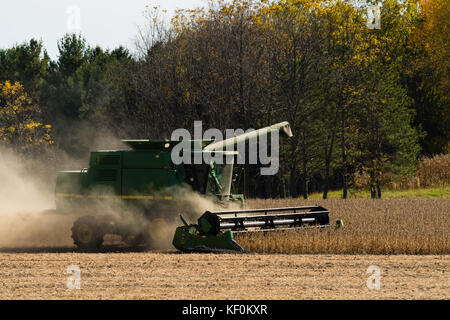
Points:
(145, 176)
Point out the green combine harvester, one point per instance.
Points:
(133, 183)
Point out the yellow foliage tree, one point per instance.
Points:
(21, 126)
(432, 37)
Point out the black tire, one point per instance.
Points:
(87, 232)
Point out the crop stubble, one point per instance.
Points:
(394, 226)
(227, 276)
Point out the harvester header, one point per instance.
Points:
(214, 231)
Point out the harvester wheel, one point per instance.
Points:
(87, 232)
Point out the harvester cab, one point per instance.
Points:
(145, 176)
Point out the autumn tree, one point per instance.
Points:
(428, 75)
(21, 127)
(383, 136)
(27, 63)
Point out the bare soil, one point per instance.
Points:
(42, 274)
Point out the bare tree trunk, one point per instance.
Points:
(293, 182)
(344, 158)
(305, 171)
(378, 190)
(328, 156)
(327, 180)
(373, 191)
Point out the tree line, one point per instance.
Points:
(361, 101)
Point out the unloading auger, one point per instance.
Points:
(214, 231)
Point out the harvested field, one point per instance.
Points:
(135, 275)
(394, 226)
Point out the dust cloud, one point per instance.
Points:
(27, 205)
(27, 215)
(164, 218)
